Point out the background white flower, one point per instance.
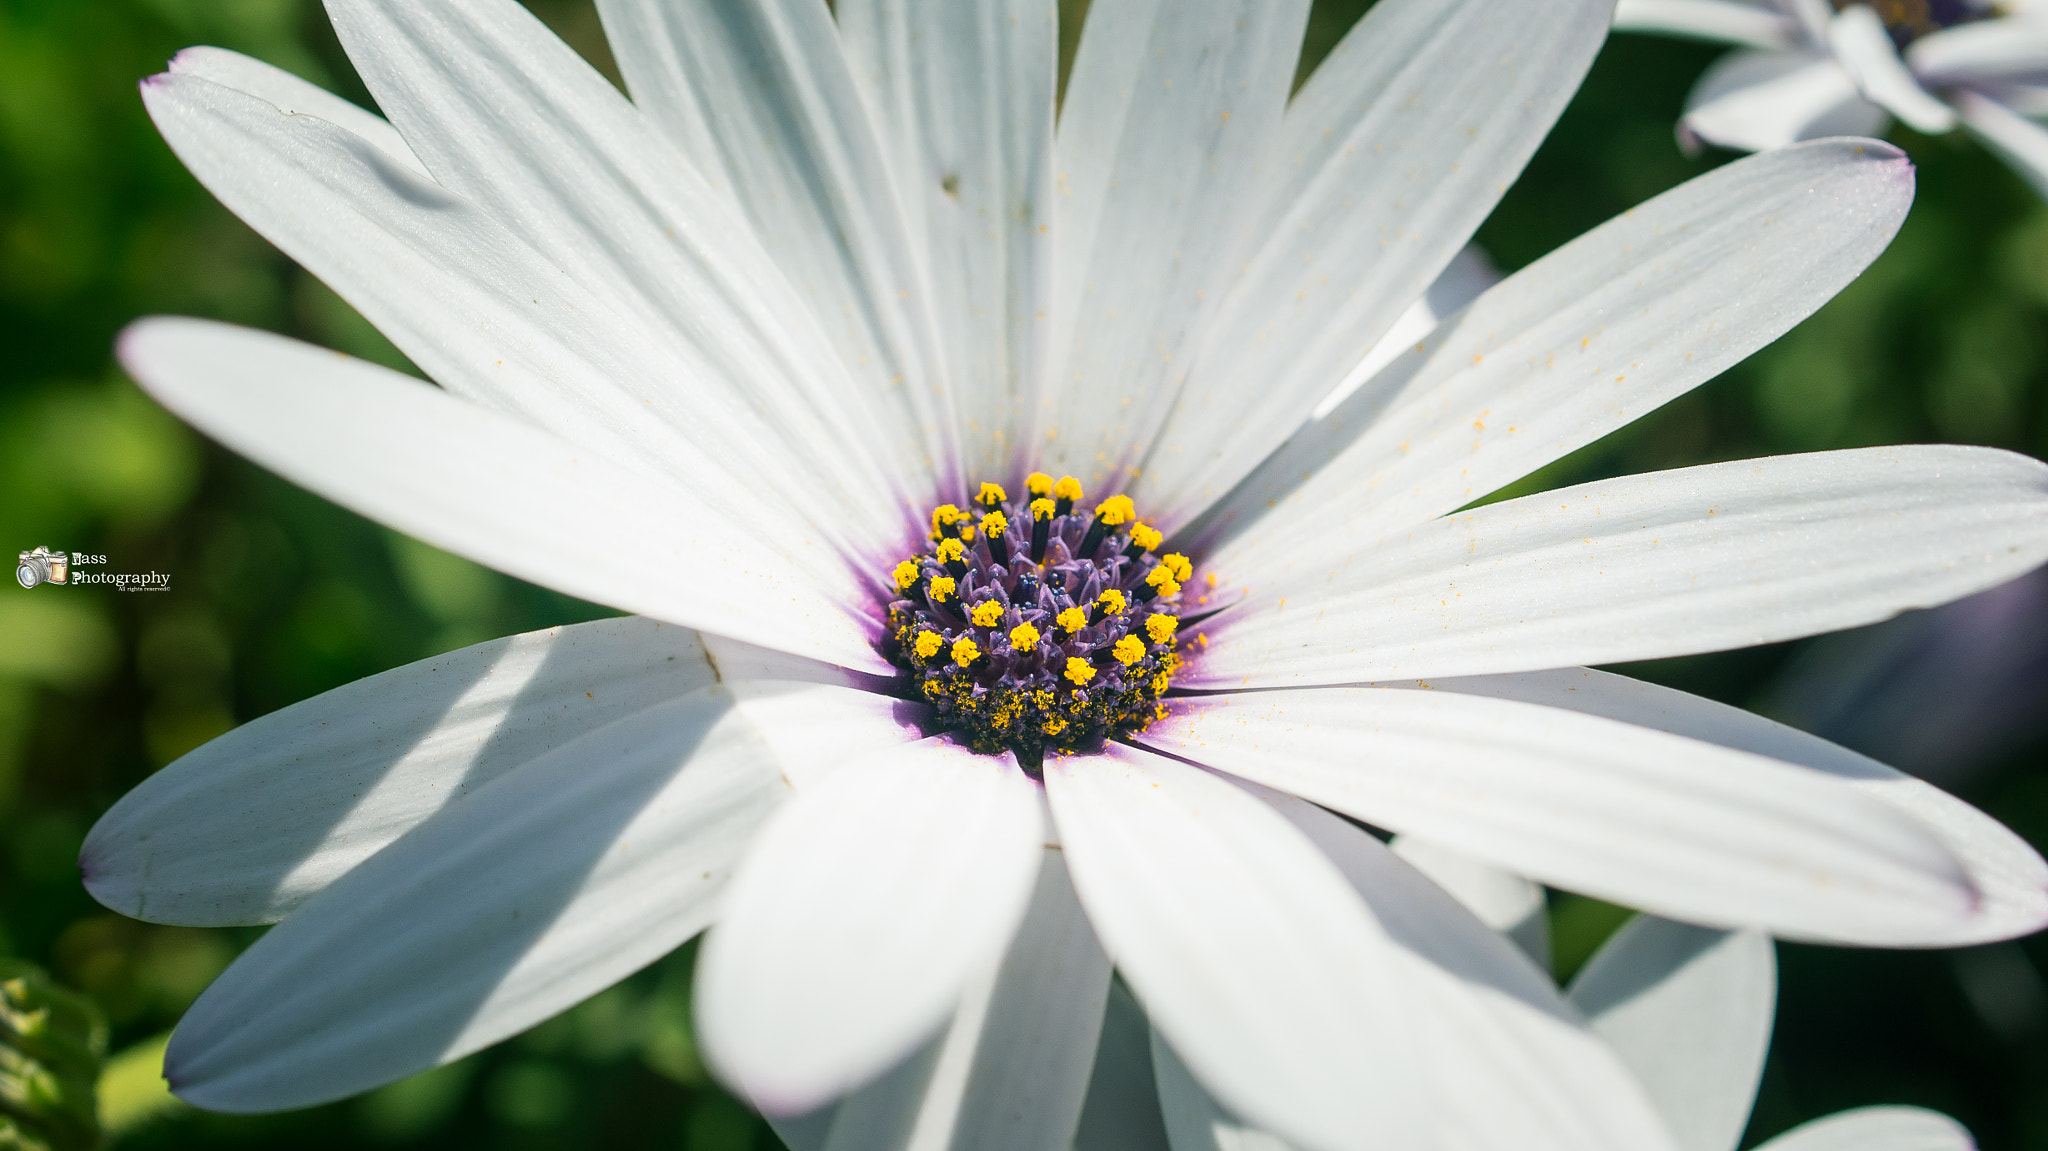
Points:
(707, 356)
(1807, 71)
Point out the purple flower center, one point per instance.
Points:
(1036, 625)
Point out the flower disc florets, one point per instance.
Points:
(1908, 20)
(1037, 624)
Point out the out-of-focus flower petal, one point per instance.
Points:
(1689, 1009)
(1722, 21)
(1865, 48)
(1758, 101)
(1877, 1129)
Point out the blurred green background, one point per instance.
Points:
(276, 595)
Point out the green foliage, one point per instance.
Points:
(52, 1043)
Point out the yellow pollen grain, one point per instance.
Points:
(1041, 509)
(945, 516)
(1210, 579)
(1023, 637)
(1068, 488)
(1161, 627)
(905, 574)
(1079, 671)
(987, 613)
(951, 551)
(991, 494)
(1112, 601)
(1072, 620)
(1116, 511)
(1038, 484)
(927, 644)
(1147, 537)
(1160, 683)
(942, 589)
(1128, 650)
(1177, 564)
(965, 651)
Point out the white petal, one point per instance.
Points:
(1756, 101)
(548, 884)
(1876, 1129)
(489, 487)
(1722, 21)
(1122, 1111)
(1979, 51)
(963, 97)
(1194, 1120)
(1683, 828)
(1010, 1072)
(2021, 142)
(859, 917)
(288, 93)
(506, 115)
(816, 716)
(1470, 273)
(1689, 1009)
(1865, 48)
(488, 316)
(249, 826)
(1169, 108)
(1621, 320)
(1394, 151)
(1249, 949)
(2010, 877)
(1508, 903)
(760, 98)
(1663, 564)
(1509, 1063)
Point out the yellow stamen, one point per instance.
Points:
(905, 575)
(1023, 637)
(965, 651)
(1128, 650)
(1160, 683)
(942, 589)
(1079, 671)
(927, 644)
(1038, 484)
(1112, 601)
(991, 494)
(1041, 510)
(945, 516)
(1177, 564)
(1072, 620)
(1147, 537)
(1116, 511)
(1159, 577)
(995, 524)
(987, 613)
(1068, 488)
(1161, 627)
(951, 551)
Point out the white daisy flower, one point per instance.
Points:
(1689, 1009)
(1807, 71)
(762, 354)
